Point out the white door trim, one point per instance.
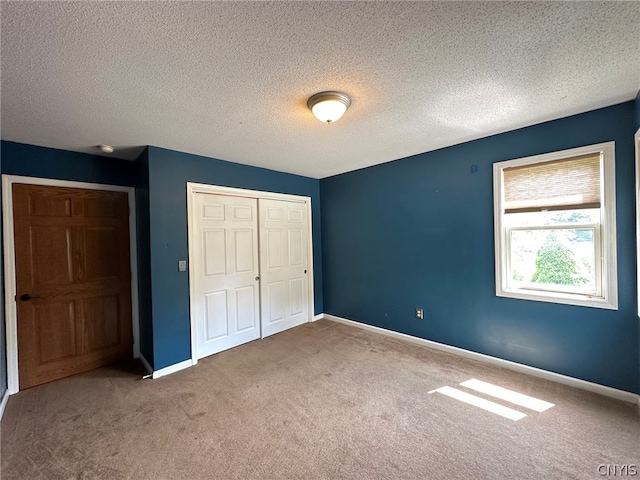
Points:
(240, 192)
(11, 324)
(193, 188)
(637, 144)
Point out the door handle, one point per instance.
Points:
(257, 278)
(25, 297)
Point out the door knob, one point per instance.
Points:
(25, 297)
(305, 271)
(257, 278)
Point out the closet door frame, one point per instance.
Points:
(195, 188)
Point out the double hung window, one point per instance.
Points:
(555, 227)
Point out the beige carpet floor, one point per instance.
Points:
(321, 401)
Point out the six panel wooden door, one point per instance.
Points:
(284, 286)
(73, 280)
(226, 304)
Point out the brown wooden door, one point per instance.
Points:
(72, 280)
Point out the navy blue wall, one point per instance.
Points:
(32, 161)
(637, 109)
(144, 258)
(418, 232)
(169, 172)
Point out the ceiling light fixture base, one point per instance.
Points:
(329, 106)
(105, 148)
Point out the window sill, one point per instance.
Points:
(555, 297)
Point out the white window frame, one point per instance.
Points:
(608, 291)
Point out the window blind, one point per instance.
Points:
(565, 184)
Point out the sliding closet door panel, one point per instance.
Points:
(284, 230)
(225, 230)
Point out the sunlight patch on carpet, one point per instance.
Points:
(487, 405)
(508, 395)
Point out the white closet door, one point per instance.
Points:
(284, 290)
(226, 279)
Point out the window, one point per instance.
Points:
(555, 229)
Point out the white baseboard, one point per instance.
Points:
(171, 369)
(164, 371)
(317, 317)
(145, 363)
(3, 403)
(518, 367)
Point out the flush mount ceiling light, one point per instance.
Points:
(328, 107)
(105, 148)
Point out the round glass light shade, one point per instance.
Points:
(328, 107)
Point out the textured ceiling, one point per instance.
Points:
(230, 80)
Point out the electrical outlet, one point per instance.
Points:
(419, 313)
(182, 265)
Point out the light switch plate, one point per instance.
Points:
(182, 265)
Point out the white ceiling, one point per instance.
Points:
(230, 80)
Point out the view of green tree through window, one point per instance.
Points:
(555, 264)
(554, 249)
